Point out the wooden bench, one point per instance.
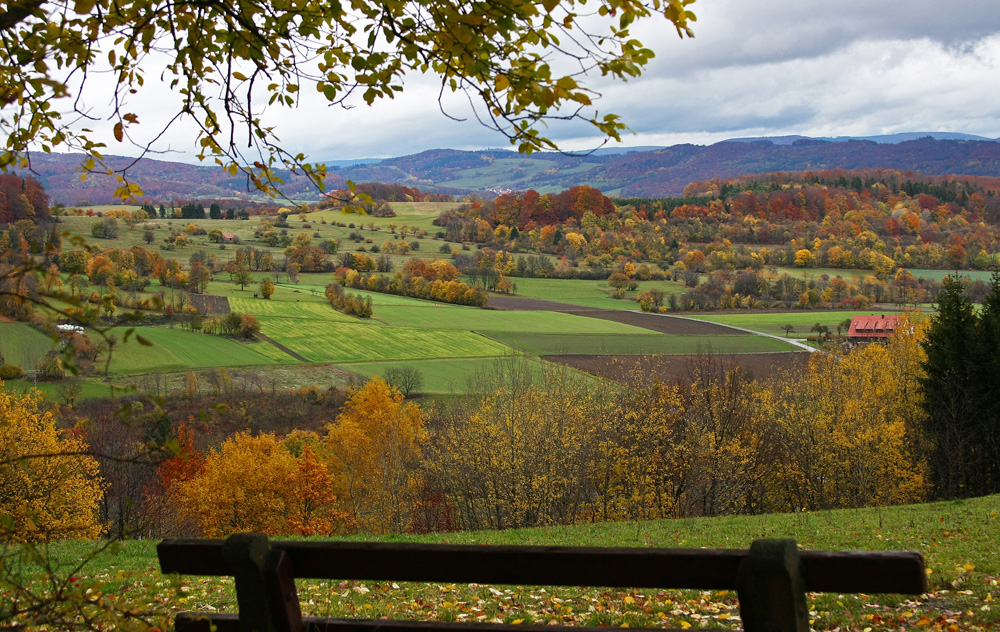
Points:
(771, 578)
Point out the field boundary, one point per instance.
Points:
(281, 347)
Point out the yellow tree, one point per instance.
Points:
(849, 427)
(49, 487)
(642, 466)
(519, 452)
(374, 449)
(256, 484)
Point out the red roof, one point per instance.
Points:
(872, 327)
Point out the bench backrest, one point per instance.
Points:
(771, 577)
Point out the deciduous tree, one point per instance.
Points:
(374, 449)
(49, 488)
(226, 63)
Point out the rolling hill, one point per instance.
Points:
(651, 173)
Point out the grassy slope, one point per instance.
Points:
(958, 539)
(177, 350)
(586, 293)
(772, 322)
(471, 318)
(440, 376)
(22, 345)
(321, 341)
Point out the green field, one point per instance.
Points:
(440, 377)
(180, 350)
(588, 293)
(815, 273)
(773, 322)
(958, 540)
(23, 345)
(321, 341)
(413, 214)
(442, 316)
(938, 275)
(665, 344)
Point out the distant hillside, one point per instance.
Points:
(160, 180)
(657, 173)
(665, 172)
(889, 139)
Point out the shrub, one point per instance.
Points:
(10, 372)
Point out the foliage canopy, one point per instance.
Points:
(520, 62)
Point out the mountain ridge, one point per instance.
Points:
(660, 172)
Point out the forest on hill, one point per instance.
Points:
(652, 173)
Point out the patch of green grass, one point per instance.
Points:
(90, 388)
(23, 345)
(179, 350)
(322, 341)
(441, 316)
(772, 322)
(413, 214)
(815, 273)
(665, 344)
(310, 310)
(958, 540)
(440, 377)
(588, 293)
(939, 275)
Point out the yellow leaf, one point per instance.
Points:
(684, 624)
(517, 622)
(84, 6)
(969, 567)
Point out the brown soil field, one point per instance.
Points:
(210, 304)
(660, 322)
(623, 368)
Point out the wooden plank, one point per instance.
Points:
(864, 572)
(193, 622)
(528, 565)
(701, 569)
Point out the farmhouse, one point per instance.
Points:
(872, 328)
(228, 238)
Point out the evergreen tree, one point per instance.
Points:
(215, 211)
(962, 362)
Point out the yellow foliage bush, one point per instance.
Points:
(49, 486)
(373, 452)
(256, 484)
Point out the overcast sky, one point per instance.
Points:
(766, 68)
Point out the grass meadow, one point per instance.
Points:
(774, 322)
(440, 376)
(958, 539)
(588, 293)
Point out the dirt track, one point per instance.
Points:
(676, 368)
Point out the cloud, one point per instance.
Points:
(843, 67)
